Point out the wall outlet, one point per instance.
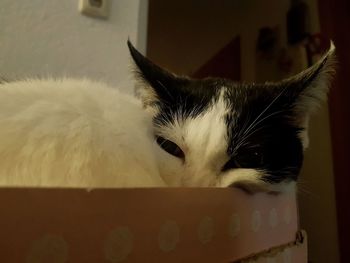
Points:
(95, 8)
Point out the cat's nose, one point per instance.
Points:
(243, 187)
(200, 178)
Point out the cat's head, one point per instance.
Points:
(216, 132)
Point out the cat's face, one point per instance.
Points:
(216, 132)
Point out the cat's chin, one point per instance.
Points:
(258, 187)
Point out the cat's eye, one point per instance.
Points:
(170, 147)
(250, 158)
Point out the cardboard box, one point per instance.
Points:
(148, 225)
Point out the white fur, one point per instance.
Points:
(74, 133)
(203, 139)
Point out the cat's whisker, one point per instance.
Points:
(266, 108)
(165, 89)
(304, 191)
(244, 126)
(263, 119)
(244, 139)
(246, 136)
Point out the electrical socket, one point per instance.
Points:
(95, 8)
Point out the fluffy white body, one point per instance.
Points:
(74, 133)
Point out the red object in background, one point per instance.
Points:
(316, 45)
(335, 21)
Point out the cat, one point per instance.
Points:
(178, 131)
(222, 133)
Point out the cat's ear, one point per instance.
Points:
(309, 88)
(157, 84)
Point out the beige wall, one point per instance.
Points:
(185, 34)
(51, 38)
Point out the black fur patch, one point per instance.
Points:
(276, 136)
(261, 120)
